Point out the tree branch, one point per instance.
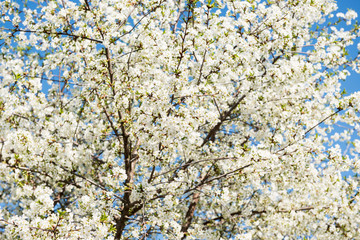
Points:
(211, 135)
(190, 214)
(55, 33)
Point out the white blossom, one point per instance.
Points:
(126, 119)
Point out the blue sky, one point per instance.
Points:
(352, 84)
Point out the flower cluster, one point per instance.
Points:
(190, 119)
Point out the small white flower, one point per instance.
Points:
(351, 15)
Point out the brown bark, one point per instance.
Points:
(190, 213)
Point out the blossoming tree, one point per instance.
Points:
(175, 119)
